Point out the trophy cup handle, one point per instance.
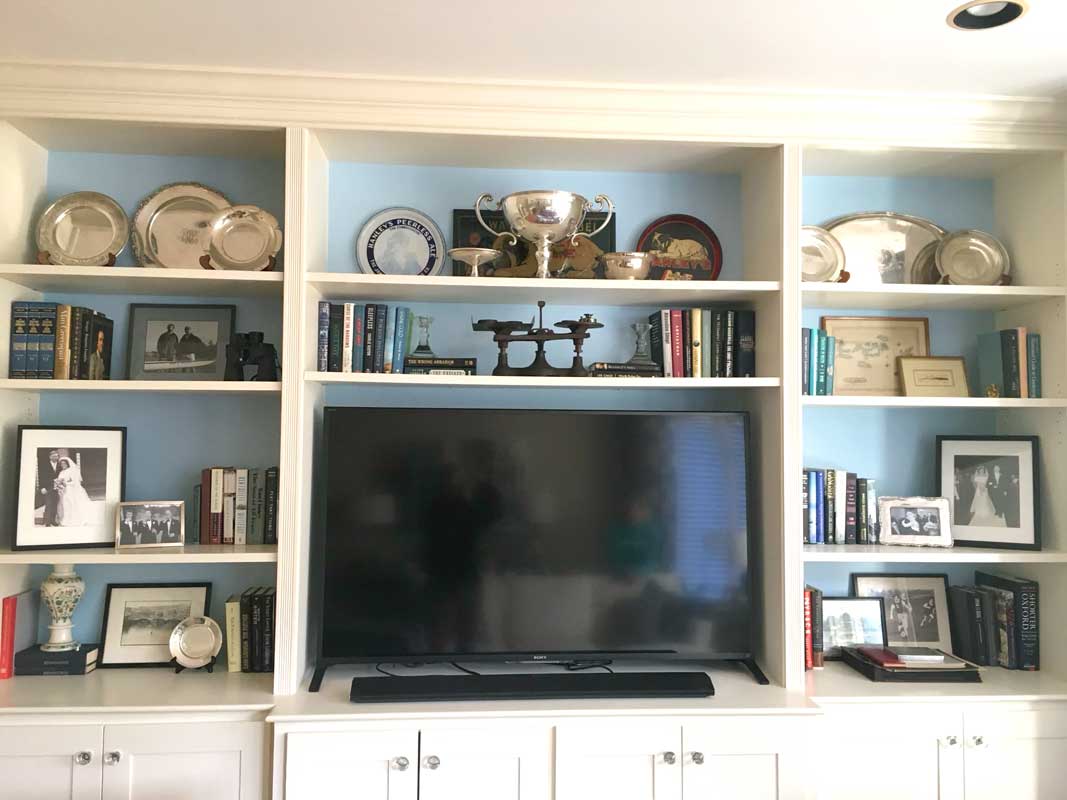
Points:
(603, 201)
(488, 198)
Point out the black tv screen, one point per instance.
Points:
(534, 535)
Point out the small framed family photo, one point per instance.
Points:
(916, 607)
(179, 342)
(69, 481)
(159, 523)
(851, 622)
(914, 521)
(139, 619)
(994, 487)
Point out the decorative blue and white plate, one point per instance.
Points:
(400, 241)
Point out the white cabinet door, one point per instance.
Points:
(889, 754)
(502, 763)
(50, 763)
(1016, 754)
(745, 758)
(370, 765)
(617, 759)
(195, 761)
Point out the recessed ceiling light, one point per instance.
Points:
(978, 15)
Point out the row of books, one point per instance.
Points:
(235, 505)
(55, 341)
(704, 342)
(838, 507)
(1009, 363)
(354, 337)
(250, 630)
(995, 622)
(817, 352)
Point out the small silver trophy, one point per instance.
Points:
(474, 256)
(423, 349)
(642, 356)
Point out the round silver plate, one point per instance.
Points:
(924, 268)
(400, 241)
(84, 229)
(172, 226)
(242, 238)
(195, 641)
(881, 247)
(821, 255)
(972, 258)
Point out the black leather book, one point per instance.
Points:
(337, 320)
(246, 629)
(745, 337)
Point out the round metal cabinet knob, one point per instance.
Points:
(401, 763)
(978, 741)
(112, 758)
(669, 757)
(432, 762)
(950, 741)
(698, 758)
(83, 757)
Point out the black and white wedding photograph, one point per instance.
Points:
(150, 524)
(992, 483)
(139, 619)
(916, 607)
(915, 521)
(70, 480)
(179, 342)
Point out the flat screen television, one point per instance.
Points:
(533, 535)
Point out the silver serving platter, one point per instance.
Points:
(84, 229)
(172, 226)
(973, 258)
(400, 241)
(195, 641)
(242, 238)
(821, 256)
(924, 267)
(881, 246)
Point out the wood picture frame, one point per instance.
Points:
(933, 376)
(867, 348)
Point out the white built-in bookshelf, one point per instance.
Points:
(754, 184)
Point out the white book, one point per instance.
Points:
(346, 338)
(233, 633)
(229, 492)
(240, 507)
(872, 512)
(841, 486)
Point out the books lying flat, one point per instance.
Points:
(967, 673)
(35, 661)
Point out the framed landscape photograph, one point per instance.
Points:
(993, 485)
(916, 607)
(867, 349)
(914, 521)
(69, 481)
(179, 342)
(139, 619)
(851, 622)
(159, 523)
(933, 376)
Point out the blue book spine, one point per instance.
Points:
(33, 338)
(831, 347)
(1033, 363)
(46, 342)
(820, 507)
(359, 324)
(390, 341)
(324, 335)
(820, 366)
(400, 340)
(805, 359)
(811, 506)
(16, 367)
(805, 495)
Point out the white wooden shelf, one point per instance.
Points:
(836, 401)
(189, 554)
(839, 683)
(451, 289)
(881, 553)
(517, 381)
(187, 387)
(143, 280)
(902, 297)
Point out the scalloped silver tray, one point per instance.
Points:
(172, 226)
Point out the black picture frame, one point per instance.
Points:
(959, 530)
(834, 652)
(16, 544)
(225, 315)
(855, 577)
(102, 662)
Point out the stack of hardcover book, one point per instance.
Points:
(35, 661)
(234, 505)
(704, 342)
(838, 507)
(1009, 363)
(250, 630)
(817, 352)
(995, 622)
(55, 341)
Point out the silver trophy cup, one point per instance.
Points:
(544, 217)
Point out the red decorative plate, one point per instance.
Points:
(684, 248)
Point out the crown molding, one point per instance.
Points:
(283, 99)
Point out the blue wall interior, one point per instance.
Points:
(357, 191)
(834, 579)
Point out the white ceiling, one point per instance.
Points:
(866, 45)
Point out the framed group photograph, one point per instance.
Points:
(993, 485)
(139, 619)
(69, 481)
(933, 376)
(159, 523)
(914, 521)
(851, 622)
(916, 607)
(179, 342)
(867, 350)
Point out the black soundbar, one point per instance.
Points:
(549, 686)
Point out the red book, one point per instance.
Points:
(881, 656)
(18, 628)
(677, 342)
(809, 652)
(7, 637)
